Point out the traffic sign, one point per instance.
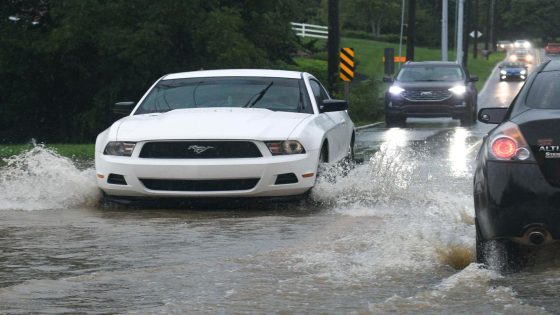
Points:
(347, 65)
(478, 34)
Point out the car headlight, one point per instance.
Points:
(513, 58)
(458, 90)
(503, 72)
(285, 147)
(396, 90)
(523, 72)
(119, 148)
(529, 57)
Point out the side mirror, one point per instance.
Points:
(123, 108)
(333, 106)
(473, 78)
(387, 79)
(493, 115)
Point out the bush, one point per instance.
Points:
(365, 105)
(318, 68)
(391, 38)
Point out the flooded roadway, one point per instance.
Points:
(393, 235)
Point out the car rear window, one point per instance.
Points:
(545, 91)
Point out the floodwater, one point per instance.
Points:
(392, 235)
(395, 234)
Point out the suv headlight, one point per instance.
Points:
(458, 90)
(285, 147)
(504, 72)
(119, 148)
(395, 90)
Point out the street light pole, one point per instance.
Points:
(444, 25)
(460, 32)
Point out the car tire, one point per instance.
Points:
(503, 255)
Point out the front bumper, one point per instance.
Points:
(265, 169)
(513, 76)
(514, 197)
(452, 107)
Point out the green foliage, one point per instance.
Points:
(316, 67)
(365, 104)
(60, 77)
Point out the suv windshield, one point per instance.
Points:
(430, 73)
(277, 94)
(545, 91)
(513, 65)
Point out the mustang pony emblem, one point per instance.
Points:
(199, 149)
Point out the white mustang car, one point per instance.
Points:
(223, 133)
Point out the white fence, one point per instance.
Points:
(310, 30)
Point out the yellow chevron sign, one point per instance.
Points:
(347, 65)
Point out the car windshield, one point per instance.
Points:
(277, 94)
(513, 65)
(545, 91)
(430, 73)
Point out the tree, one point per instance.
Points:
(370, 15)
(64, 73)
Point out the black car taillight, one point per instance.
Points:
(508, 144)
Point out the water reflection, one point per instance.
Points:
(458, 152)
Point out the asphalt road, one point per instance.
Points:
(392, 235)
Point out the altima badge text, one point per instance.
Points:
(199, 149)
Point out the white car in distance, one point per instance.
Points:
(223, 133)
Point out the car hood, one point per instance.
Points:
(428, 85)
(513, 69)
(210, 124)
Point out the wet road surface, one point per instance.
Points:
(392, 235)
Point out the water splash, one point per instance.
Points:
(403, 212)
(41, 179)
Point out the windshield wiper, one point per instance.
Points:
(258, 96)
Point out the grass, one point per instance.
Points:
(73, 151)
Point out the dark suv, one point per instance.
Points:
(431, 89)
(517, 178)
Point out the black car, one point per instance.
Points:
(517, 178)
(513, 71)
(431, 89)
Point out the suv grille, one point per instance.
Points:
(200, 185)
(427, 95)
(200, 150)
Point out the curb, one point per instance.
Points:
(369, 125)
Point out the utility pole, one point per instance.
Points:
(411, 31)
(492, 26)
(487, 28)
(333, 43)
(475, 22)
(459, 44)
(402, 29)
(444, 25)
(466, 38)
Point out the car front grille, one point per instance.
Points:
(427, 95)
(200, 185)
(200, 150)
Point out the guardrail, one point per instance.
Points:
(310, 30)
